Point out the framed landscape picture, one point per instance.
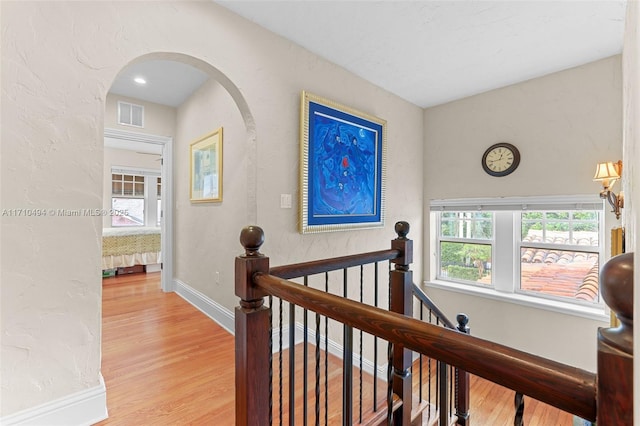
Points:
(342, 167)
(206, 168)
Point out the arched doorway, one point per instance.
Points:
(178, 235)
(166, 74)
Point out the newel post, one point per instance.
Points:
(253, 334)
(615, 345)
(401, 291)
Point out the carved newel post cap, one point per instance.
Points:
(402, 229)
(616, 279)
(251, 238)
(463, 319)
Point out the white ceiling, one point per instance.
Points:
(168, 82)
(427, 52)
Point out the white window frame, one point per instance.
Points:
(159, 214)
(506, 245)
(150, 192)
(463, 240)
(599, 250)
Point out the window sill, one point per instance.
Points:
(598, 312)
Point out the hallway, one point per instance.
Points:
(164, 362)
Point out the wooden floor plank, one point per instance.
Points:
(166, 363)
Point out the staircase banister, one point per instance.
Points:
(297, 270)
(565, 387)
(421, 295)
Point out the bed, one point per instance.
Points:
(125, 247)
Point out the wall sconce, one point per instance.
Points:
(608, 173)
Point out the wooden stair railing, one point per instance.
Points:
(461, 379)
(308, 269)
(610, 402)
(400, 401)
(400, 299)
(459, 382)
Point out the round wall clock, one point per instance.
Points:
(501, 159)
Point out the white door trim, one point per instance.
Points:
(122, 139)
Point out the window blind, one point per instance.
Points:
(548, 203)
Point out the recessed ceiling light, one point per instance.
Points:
(140, 80)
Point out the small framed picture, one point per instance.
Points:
(206, 168)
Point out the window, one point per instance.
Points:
(465, 243)
(127, 197)
(135, 197)
(130, 114)
(548, 247)
(559, 253)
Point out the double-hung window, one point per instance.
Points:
(559, 253)
(547, 247)
(465, 246)
(135, 197)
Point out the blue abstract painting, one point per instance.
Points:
(345, 166)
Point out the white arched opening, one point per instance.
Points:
(167, 147)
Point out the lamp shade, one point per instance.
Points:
(607, 171)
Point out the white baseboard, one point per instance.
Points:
(226, 319)
(82, 408)
(221, 315)
(334, 348)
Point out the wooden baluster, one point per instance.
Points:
(347, 363)
(462, 379)
(443, 399)
(615, 345)
(253, 334)
(402, 303)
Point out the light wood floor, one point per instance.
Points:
(166, 363)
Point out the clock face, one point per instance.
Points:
(500, 159)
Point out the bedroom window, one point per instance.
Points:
(548, 247)
(127, 196)
(136, 194)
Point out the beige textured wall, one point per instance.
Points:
(56, 72)
(563, 124)
(210, 230)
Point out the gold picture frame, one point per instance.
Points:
(342, 167)
(206, 168)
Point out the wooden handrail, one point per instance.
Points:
(567, 388)
(297, 270)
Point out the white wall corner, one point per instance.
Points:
(221, 315)
(82, 408)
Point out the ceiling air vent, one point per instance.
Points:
(130, 114)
